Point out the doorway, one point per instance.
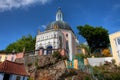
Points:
(6, 76)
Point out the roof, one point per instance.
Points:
(13, 68)
(60, 24)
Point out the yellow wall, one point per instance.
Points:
(75, 63)
(113, 46)
(3, 57)
(83, 51)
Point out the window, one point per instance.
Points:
(49, 49)
(18, 78)
(118, 53)
(60, 38)
(6, 77)
(55, 35)
(66, 35)
(118, 41)
(41, 50)
(67, 47)
(23, 78)
(5, 57)
(12, 58)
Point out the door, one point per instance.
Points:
(6, 76)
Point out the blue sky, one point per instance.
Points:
(22, 17)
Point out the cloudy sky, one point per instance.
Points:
(22, 17)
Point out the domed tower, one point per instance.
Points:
(58, 35)
(59, 23)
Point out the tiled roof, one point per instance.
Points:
(13, 68)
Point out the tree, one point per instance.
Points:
(96, 37)
(27, 42)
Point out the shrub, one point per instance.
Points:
(57, 55)
(29, 64)
(87, 78)
(80, 56)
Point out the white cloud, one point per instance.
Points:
(116, 7)
(44, 26)
(10, 4)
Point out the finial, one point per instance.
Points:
(59, 15)
(59, 8)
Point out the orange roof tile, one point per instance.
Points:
(13, 68)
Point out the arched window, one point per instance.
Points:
(66, 35)
(41, 50)
(49, 50)
(60, 38)
(67, 47)
(12, 58)
(18, 78)
(118, 40)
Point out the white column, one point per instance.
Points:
(70, 46)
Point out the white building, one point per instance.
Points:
(58, 35)
(12, 71)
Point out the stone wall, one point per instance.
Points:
(45, 66)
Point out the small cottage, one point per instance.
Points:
(12, 71)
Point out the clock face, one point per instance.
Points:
(55, 27)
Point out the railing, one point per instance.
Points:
(88, 69)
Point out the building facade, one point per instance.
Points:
(13, 71)
(115, 45)
(10, 56)
(58, 35)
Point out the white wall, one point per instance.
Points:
(48, 38)
(98, 61)
(22, 78)
(13, 77)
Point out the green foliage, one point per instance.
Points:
(30, 79)
(37, 66)
(87, 78)
(106, 73)
(80, 55)
(96, 37)
(2, 51)
(57, 55)
(29, 64)
(86, 47)
(27, 42)
(113, 61)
